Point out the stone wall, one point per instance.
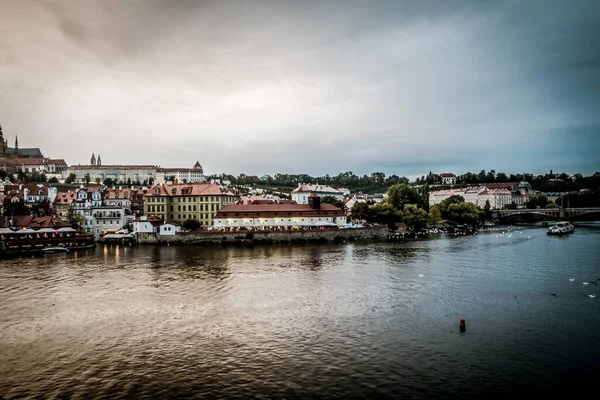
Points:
(200, 238)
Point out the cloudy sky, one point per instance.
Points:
(402, 87)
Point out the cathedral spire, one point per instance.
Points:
(16, 142)
(98, 161)
(93, 160)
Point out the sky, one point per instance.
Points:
(266, 87)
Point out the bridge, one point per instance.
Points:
(549, 213)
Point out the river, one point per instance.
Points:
(352, 320)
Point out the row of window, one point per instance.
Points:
(191, 199)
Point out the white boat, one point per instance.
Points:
(561, 228)
(55, 249)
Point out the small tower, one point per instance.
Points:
(16, 143)
(93, 160)
(98, 161)
(2, 142)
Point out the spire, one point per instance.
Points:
(16, 142)
(99, 161)
(93, 160)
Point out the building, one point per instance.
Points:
(16, 152)
(448, 178)
(153, 226)
(62, 202)
(109, 219)
(498, 198)
(99, 172)
(436, 197)
(117, 197)
(179, 202)
(55, 166)
(279, 216)
(301, 194)
(181, 175)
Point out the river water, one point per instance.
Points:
(352, 320)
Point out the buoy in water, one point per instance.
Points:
(462, 325)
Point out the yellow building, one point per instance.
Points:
(179, 202)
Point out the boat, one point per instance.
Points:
(561, 228)
(55, 249)
(45, 240)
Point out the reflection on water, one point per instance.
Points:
(336, 321)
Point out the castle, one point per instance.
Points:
(16, 152)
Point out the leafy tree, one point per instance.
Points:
(398, 195)
(191, 224)
(487, 209)
(53, 180)
(108, 182)
(384, 213)
(435, 215)
(501, 177)
(43, 208)
(332, 200)
(511, 206)
(360, 212)
(413, 217)
(552, 205)
(15, 208)
(71, 178)
(97, 180)
(467, 213)
(87, 178)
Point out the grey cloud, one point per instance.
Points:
(319, 87)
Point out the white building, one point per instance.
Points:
(181, 175)
(438, 196)
(471, 195)
(109, 219)
(168, 229)
(498, 198)
(118, 173)
(279, 216)
(448, 179)
(301, 194)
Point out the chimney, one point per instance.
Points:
(314, 201)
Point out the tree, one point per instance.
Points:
(53, 180)
(487, 209)
(399, 194)
(191, 224)
(108, 182)
(501, 177)
(384, 213)
(71, 178)
(413, 217)
(467, 213)
(511, 206)
(332, 200)
(97, 180)
(552, 205)
(77, 220)
(15, 208)
(435, 215)
(43, 208)
(87, 178)
(360, 211)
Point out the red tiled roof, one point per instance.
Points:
(29, 221)
(58, 161)
(107, 166)
(277, 210)
(197, 189)
(65, 197)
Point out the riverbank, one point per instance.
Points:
(378, 233)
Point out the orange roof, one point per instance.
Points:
(186, 189)
(65, 197)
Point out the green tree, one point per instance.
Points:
(15, 208)
(108, 182)
(191, 224)
(414, 218)
(53, 180)
(71, 178)
(467, 213)
(97, 180)
(87, 178)
(360, 212)
(332, 200)
(435, 215)
(552, 205)
(399, 194)
(384, 213)
(511, 206)
(487, 209)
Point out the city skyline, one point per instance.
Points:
(268, 87)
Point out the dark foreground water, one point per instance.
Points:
(326, 321)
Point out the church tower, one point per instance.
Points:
(16, 143)
(93, 160)
(99, 161)
(2, 143)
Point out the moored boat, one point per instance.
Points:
(44, 240)
(561, 228)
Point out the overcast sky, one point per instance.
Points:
(402, 87)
